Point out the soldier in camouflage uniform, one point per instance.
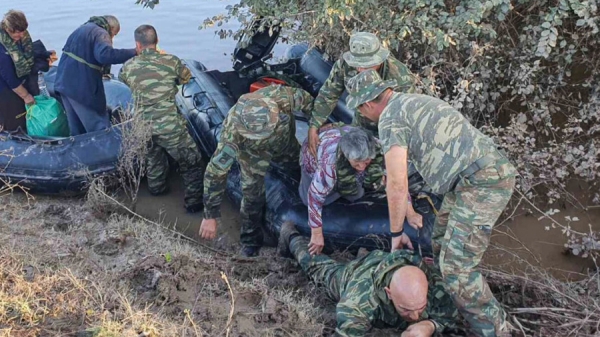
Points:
(456, 160)
(259, 128)
(377, 290)
(153, 78)
(365, 53)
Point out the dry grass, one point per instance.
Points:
(545, 306)
(65, 272)
(134, 149)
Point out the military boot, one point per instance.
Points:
(250, 251)
(194, 208)
(288, 230)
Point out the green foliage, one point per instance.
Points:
(147, 3)
(525, 71)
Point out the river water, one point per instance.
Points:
(176, 22)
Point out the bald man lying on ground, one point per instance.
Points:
(377, 290)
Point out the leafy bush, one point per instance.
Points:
(526, 72)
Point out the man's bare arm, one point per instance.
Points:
(397, 186)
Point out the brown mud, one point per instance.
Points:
(128, 278)
(518, 243)
(68, 270)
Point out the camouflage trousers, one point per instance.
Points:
(182, 148)
(322, 270)
(253, 170)
(461, 235)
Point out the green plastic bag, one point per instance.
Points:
(47, 118)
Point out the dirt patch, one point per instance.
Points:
(117, 276)
(57, 217)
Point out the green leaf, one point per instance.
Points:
(168, 257)
(546, 25)
(580, 22)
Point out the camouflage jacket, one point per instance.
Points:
(441, 142)
(153, 79)
(334, 87)
(231, 143)
(373, 175)
(364, 303)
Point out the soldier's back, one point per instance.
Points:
(152, 77)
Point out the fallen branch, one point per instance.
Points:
(231, 311)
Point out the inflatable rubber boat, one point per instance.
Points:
(64, 165)
(205, 102)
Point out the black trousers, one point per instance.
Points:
(11, 106)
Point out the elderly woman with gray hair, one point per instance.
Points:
(340, 170)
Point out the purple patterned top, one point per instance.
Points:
(323, 172)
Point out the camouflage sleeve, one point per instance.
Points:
(375, 172)
(405, 79)
(441, 308)
(393, 130)
(355, 311)
(184, 73)
(302, 100)
(215, 178)
(346, 183)
(330, 93)
(122, 74)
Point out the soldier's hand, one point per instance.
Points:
(421, 329)
(313, 140)
(401, 242)
(415, 220)
(317, 242)
(326, 127)
(208, 229)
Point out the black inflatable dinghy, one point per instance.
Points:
(63, 165)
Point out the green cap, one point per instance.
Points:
(365, 51)
(365, 87)
(253, 116)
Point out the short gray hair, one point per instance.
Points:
(358, 144)
(113, 23)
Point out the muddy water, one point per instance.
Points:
(516, 246)
(168, 209)
(526, 241)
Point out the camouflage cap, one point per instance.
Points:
(253, 116)
(365, 87)
(365, 51)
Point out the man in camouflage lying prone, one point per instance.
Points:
(378, 290)
(259, 128)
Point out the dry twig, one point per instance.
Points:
(230, 319)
